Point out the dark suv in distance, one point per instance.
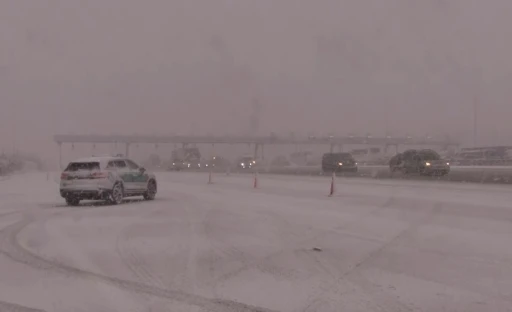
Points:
(246, 162)
(423, 162)
(185, 159)
(338, 162)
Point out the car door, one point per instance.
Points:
(125, 174)
(416, 163)
(111, 168)
(140, 179)
(413, 164)
(408, 161)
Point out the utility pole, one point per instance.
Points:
(254, 123)
(478, 76)
(475, 120)
(14, 129)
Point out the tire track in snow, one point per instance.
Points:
(261, 264)
(183, 273)
(13, 212)
(133, 260)
(5, 214)
(235, 253)
(13, 307)
(247, 262)
(11, 248)
(382, 300)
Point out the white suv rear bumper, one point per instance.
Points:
(86, 189)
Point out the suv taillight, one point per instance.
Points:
(64, 176)
(99, 175)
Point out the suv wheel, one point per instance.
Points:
(117, 195)
(151, 191)
(71, 201)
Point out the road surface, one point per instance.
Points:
(377, 245)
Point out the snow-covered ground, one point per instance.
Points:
(377, 245)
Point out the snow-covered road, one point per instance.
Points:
(377, 245)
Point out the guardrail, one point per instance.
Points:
(487, 174)
(473, 174)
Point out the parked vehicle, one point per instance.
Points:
(338, 162)
(423, 162)
(185, 158)
(246, 162)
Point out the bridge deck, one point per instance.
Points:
(247, 140)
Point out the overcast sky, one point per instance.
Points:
(196, 66)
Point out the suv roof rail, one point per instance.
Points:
(107, 155)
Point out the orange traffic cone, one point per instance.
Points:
(331, 192)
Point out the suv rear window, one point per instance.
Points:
(132, 165)
(337, 156)
(77, 166)
(429, 155)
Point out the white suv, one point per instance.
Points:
(105, 178)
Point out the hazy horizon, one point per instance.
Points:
(196, 67)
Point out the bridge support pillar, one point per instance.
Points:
(60, 155)
(256, 147)
(127, 150)
(331, 149)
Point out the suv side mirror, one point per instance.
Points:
(142, 170)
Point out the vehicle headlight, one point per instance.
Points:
(242, 164)
(340, 164)
(173, 164)
(447, 163)
(427, 164)
(254, 161)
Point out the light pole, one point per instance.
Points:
(13, 128)
(478, 82)
(475, 120)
